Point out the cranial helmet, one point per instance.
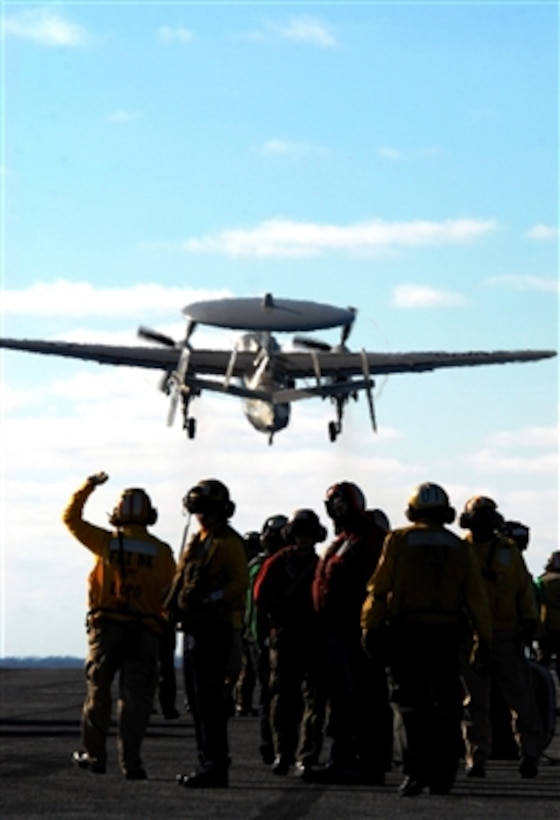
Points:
(343, 499)
(133, 507)
(481, 513)
(430, 501)
(272, 532)
(306, 523)
(380, 519)
(553, 562)
(209, 496)
(518, 532)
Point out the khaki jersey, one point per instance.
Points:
(508, 583)
(213, 568)
(549, 584)
(426, 574)
(131, 574)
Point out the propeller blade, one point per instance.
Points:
(178, 380)
(369, 390)
(173, 403)
(346, 330)
(311, 344)
(154, 336)
(191, 325)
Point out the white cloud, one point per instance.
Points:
(396, 154)
(524, 282)
(123, 116)
(424, 296)
(306, 29)
(290, 148)
(531, 451)
(175, 34)
(543, 232)
(390, 153)
(287, 238)
(492, 461)
(530, 437)
(78, 299)
(45, 27)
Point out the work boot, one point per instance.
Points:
(281, 765)
(139, 773)
(83, 761)
(529, 767)
(477, 769)
(204, 779)
(411, 787)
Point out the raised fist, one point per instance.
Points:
(98, 478)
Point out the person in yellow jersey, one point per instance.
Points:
(207, 598)
(426, 593)
(133, 571)
(514, 612)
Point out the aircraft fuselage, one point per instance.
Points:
(264, 416)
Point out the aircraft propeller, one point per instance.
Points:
(174, 382)
(316, 344)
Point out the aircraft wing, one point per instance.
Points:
(212, 362)
(294, 365)
(346, 364)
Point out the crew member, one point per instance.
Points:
(132, 572)
(247, 678)
(549, 639)
(426, 584)
(360, 715)
(514, 622)
(207, 598)
(283, 594)
(271, 539)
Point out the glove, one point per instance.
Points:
(97, 478)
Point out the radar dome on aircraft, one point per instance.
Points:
(268, 314)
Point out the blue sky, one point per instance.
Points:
(399, 158)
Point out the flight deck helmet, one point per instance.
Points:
(133, 507)
(272, 533)
(304, 522)
(553, 562)
(430, 501)
(209, 496)
(518, 532)
(481, 515)
(344, 499)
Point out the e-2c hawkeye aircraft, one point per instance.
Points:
(258, 370)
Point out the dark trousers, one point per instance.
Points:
(167, 684)
(425, 673)
(360, 715)
(206, 655)
(297, 705)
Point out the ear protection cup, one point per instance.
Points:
(134, 507)
(209, 496)
(488, 517)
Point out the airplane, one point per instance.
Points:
(267, 377)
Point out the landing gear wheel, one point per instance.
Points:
(333, 431)
(191, 427)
